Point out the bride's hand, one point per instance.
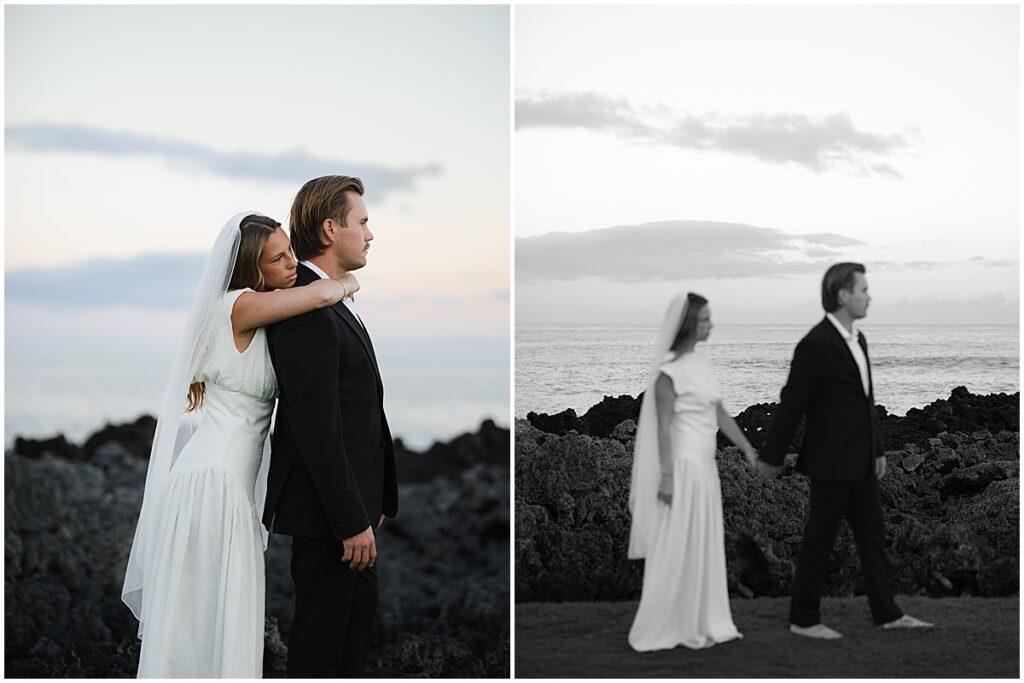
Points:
(350, 281)
(665, 488)
(332, 291)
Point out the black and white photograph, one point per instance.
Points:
(766, 341)
(257, 341)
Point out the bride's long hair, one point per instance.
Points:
(254, 231)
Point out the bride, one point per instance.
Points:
(675, 496)
(195, 574)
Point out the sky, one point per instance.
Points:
(132, 133)
(738, 151)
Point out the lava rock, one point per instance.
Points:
(69, 520)
(950, 497)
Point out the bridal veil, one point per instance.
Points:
(174, 428)
(643, 492)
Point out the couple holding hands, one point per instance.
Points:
(675, 495)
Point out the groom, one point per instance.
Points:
(842, 454)
(332, 468)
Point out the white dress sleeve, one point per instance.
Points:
(675, 373)
(231, 297)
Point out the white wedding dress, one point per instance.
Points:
(205, 618)
(685, 598)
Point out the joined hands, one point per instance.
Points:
(763, 469)
(766, 470)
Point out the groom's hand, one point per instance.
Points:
(360, 550)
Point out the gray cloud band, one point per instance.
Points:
(291, 167)
(819, 144)
(161, 282)
(670, 250)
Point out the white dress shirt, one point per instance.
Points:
(858, 353)
(349, 303)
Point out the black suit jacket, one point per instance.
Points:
(842, 436)
(332, 464)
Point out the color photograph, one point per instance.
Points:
(257, 347)
(767, 350)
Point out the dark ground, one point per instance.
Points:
(973, 638)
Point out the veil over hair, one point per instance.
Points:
(643, 490)
(173, 428)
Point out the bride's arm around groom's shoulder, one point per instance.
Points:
(255, 309)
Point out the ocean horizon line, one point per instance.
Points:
(655, 326)
(411, 442)
(579, 413)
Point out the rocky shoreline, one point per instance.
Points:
(951, 500)
(70, 514)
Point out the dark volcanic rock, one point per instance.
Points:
(951, 501)
(603, 417)
(961, 412)
(490, 444)
(600, 420)
(568, 520)
(559, 423)
(443, 567)
(135, 437)
(754, 423)
(58, 445)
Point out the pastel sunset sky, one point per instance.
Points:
(134, 132)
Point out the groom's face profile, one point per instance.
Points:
(351, 240)
(856, 300)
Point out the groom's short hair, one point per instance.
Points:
(316, 201)
(840, 276)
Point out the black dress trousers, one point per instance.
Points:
(860, 502)
(335, 608)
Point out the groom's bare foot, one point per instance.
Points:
(817, 631)
(907, 621)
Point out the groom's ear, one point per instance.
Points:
(327, 231)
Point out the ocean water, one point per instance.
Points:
(431, 392)
(559, 367)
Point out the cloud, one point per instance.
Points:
(678, 249)
(817, 143)
(575, 110)
(166, 283)
(288, 167)
(670, 250)
(153, 281)
(934, 265)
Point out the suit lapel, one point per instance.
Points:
(843, 349)
(864, 347)
(305, 276)
(350, 319)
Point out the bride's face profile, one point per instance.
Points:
(704, 323)
(277, 262)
